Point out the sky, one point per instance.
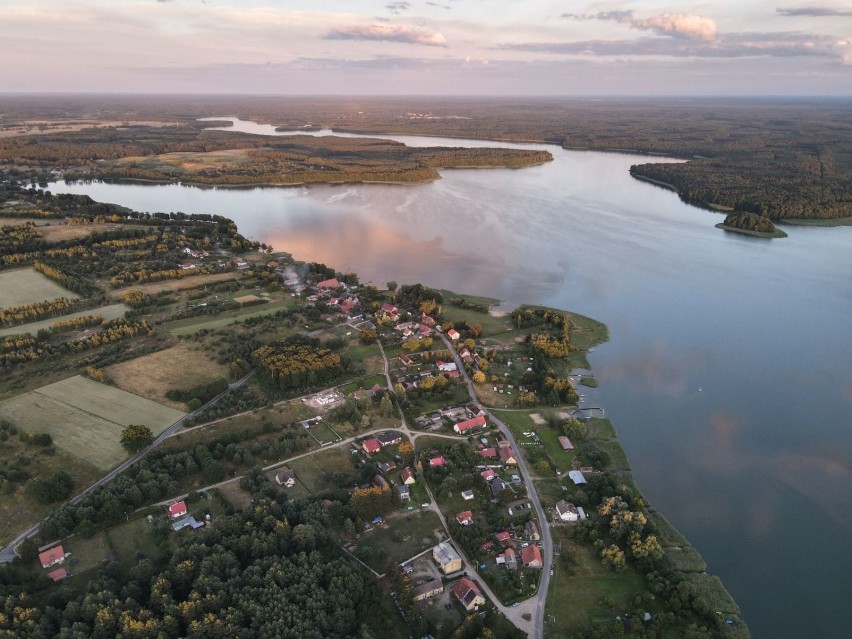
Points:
(428, 47)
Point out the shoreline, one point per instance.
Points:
(776, 234)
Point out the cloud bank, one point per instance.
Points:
(815, 12)
(388, 33)
(678, 25)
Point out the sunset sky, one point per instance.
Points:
(464, 47)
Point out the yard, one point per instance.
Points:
(180, 367)
(315, 471)
(129, 539)
(85, 418)
(402, 537)
(595, 592)
(26, 286)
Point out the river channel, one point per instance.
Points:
(729, 370)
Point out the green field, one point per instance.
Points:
(415, 533)
(85, 418)
(195, 324)
(26, 286)
(110, 312)
(313, 471)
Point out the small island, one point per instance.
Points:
(751, 224)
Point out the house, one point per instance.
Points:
(473, 410)
(446, 367)
(52, 557)
(497, 487)
(487, 546)
(467, 495)
(577, 477)
(453, 334)
(447, 558)
(469, 425)
(404, 492)
(436, 462)
(187, 521)
(428, 590)
(504, 539)
(329, 285)
(468, 594)
(286, 478)
(565, 443)
(531, 531)
(465, 518)
(405, 360)
(510, 559)
(387, 466)
(376, 389)
(371, 446)
(407, 476)
(380, 482)
(424, 330)
(177, 509)
(58, 575)
(389, 437)
(390, 311)
(567, 511)
(507, 456)
(488, 453)
(488, 475)
(531, 556)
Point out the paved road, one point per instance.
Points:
(8, 553)
(538, 602)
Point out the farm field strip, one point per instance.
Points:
(26, 286)
(193, 281)
(195, 324)
(111, 312)
(85, 418)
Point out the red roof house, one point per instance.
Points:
(488, 453)
(470, 424)
(465, 518)
(407, 476)
(55, 555)
(371, 445)
(508, 457)
(531, 556)
(468, 594)
(58, 575)
(504, 538)
(329, 284)
(437, 461)
(453, 334)
(177, 509)
(488, 475)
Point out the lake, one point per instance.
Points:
(729, 370)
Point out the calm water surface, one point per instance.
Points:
(729, 370)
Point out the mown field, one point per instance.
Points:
(85, 418)
(110, 312)
(26, 286)
(195, 324)
(180, 367)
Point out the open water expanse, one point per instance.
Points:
(729, 370)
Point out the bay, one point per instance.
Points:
(729, 370)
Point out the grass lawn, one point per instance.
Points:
(472, 299)
(89, 553)
(18, 511)
(415, 531)
(314, 470)
(85, 418)
(110, 312)
(205, 322)
(238, 497)
(180, 367)
(576, 593)
(491, 325)
(128, 539)
(26, 286)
